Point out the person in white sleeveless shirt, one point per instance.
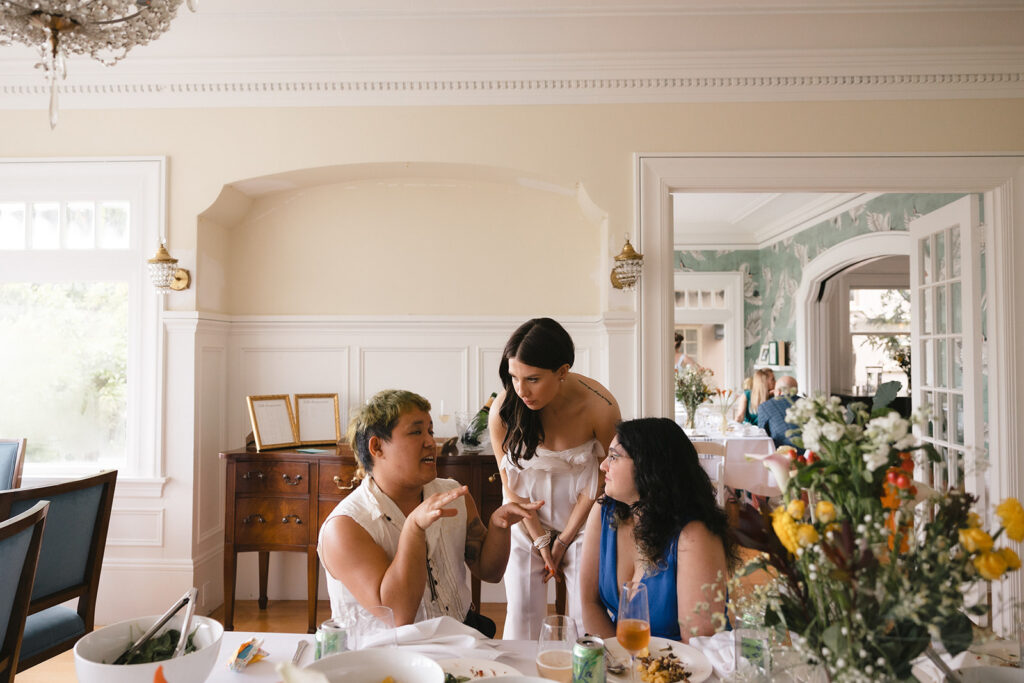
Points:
(550, 428)
(405, 538)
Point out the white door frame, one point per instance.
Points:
(658, 175)
(731, 316)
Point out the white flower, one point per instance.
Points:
(876, 459)
(833, 431)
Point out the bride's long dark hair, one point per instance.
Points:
(541, 343)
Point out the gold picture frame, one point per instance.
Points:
(317, 419)
(273, 424)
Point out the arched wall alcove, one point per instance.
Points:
(402, 239)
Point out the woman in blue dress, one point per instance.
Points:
(657, 522)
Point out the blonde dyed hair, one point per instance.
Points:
(761, 390)
(377, 417)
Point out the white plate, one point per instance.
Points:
(693, 659)
(476, 668)
(373, 664)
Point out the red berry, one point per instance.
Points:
(907, 465)
(902, 481)
(810, 457)
(891, 475)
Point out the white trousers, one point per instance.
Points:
(526, 592)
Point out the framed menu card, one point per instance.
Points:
(272, 422)
(316, 418)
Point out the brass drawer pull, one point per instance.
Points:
(257, 517)
(351, 484)
(493, 478)
(288, 480)
(253, 474)
(284, 520)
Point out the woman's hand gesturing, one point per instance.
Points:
(433, 508)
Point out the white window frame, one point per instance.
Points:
(142, 181)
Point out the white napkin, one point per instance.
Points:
(720, 649)
(444, 638)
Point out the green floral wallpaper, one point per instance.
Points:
(771, 275)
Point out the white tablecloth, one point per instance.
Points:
(741, 473)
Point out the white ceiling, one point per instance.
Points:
(340, 52)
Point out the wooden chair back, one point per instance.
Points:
(12, 459)
(20, 540)
(71, 556)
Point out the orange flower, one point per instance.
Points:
(1011, 558)
(990, 565)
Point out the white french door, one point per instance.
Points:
(946, 342)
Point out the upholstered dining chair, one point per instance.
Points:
(12, 457)
(69, 561)
(712, 459)
(20, 540)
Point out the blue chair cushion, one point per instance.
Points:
(8, 458)
(13, 551)
(49, 628)
(69, 528)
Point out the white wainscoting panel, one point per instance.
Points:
(136, 527)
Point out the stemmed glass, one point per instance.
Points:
(554, 648)
(633, 626)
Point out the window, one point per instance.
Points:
(77, 313)
(880, 336)
(691, 341)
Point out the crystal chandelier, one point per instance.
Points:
(627, 267)
(103, 29)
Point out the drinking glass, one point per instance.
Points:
(376, 629)
(633, 625)
(554, 648)
(332, 638)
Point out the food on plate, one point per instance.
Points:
(473, 673)
(665, 668)
(388, 679)
(157, 649)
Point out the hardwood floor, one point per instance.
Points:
(282, 616)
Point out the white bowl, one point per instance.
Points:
(95, 651)
(373, 664)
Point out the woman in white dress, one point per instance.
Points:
(550, 429)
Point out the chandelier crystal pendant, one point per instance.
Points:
(102, 29)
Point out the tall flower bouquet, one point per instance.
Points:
(868, 565)
(692, 389)
(723, 400)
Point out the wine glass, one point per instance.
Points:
(633, 625)
(554, 648)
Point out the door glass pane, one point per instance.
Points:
(45, 221)
(81, 232)
(12, 226)
(925, 247)
(954, 252)
(957, 432)
(940, 257)
(927, 358)
(940, 363)
(958, 363)
(956, 308)
(927, 308)
(940, 416)
(112, 226)
(929, 427)
(941, 312)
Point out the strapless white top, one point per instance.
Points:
(556, 477)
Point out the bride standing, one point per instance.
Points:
(550, 429)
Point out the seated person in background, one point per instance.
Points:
(760, 391)
(404, 538)
(657, 523)
(682, 359)
(771, 415)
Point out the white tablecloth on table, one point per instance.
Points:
(741, 473)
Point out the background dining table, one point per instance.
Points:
(741, 473)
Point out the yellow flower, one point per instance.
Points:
(1011, 514)
(796, 509)
(1011, 558)
(975, 540)
(990, 565)
(973, 520)
(785, 528)
(825, 511)
(806, 535)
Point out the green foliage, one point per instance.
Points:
(158, 648)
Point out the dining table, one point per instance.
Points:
(741, 472)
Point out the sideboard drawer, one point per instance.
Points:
(278, 521)
(337, 478)
(255, 476)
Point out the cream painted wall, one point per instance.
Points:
(413, 246)
(593, 144)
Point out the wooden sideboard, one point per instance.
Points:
(272, 496)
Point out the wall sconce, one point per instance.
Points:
(165, 274)
(626, 271)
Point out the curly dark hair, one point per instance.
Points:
(542, 343)
(673, 488)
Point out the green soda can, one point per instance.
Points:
(588, 660)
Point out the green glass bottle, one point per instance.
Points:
(476, 427)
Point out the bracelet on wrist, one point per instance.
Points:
(558, 539)
(542, 541)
